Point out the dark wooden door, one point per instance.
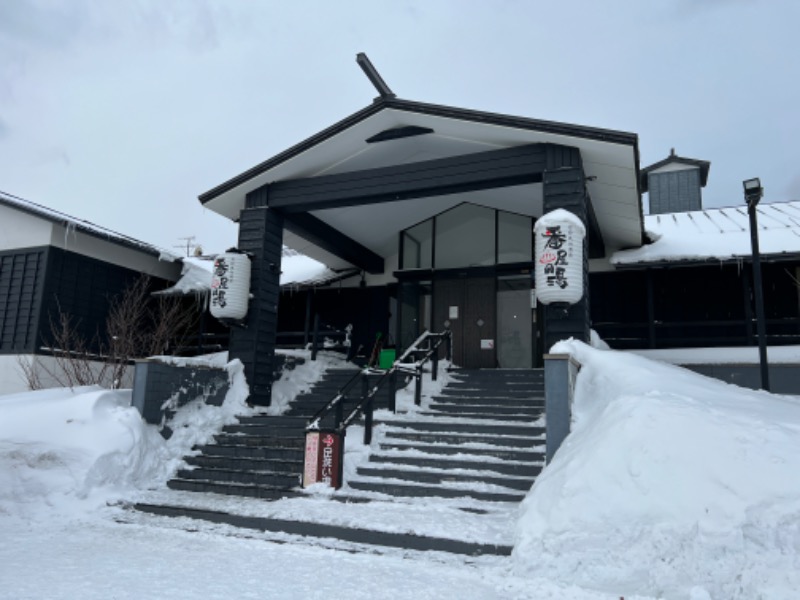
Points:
(469, 307)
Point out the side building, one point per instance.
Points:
(52, 264)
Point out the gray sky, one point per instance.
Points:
(122, 112)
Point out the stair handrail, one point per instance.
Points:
(365, 405)
(336, 401)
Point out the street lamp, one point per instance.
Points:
(752, 194)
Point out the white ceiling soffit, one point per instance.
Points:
(613, 190)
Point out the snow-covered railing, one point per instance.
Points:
(424, 349)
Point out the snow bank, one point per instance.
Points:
(61, 449)
(670, 484)
(66, 451)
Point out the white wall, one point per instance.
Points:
(13, 380)
(676, 166)
(19, 229)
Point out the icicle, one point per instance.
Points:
(69, 229)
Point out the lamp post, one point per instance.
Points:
(752, 194)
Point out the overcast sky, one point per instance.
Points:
(123, 112)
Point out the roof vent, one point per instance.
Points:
(674, 184)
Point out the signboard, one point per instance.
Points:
(487, 344)
(323, 459)
(230, 286)
(558, 242)
(453, 314)
(310, 470)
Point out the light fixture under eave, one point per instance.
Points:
(753, 191)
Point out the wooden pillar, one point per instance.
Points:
(260, 235)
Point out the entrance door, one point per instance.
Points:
(516, 323)
(469, 307)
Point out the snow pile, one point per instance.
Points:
(776, 355)
(70, 450)
(67, 450)
(671, 484)
(301, 378)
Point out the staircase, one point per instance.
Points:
(261, 456)
(476, 440)
(473, 452)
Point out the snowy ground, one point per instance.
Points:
(671, 485)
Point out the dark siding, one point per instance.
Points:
(261, 235)
(694, 306)
(326, 237)
(674, 191)
(481, 170)
(21, 285)
(565, 188)
(83, 288)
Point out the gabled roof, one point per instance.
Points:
(392, 132)
(462, 114)
(81, 225)
(674, 159)
(717, 234)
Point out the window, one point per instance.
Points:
(418, 246)
(515, 233)
(465, 237)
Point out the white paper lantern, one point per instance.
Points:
(230, 286)
(558, 246)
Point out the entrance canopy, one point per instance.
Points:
(397, 163)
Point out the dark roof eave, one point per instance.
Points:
(605, 135)
(705, 261)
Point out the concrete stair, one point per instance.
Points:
(477, 440)
(261, 456)
(477, 447)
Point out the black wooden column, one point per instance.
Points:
(565, 188)
(261, 235)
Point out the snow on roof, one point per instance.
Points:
(296, 270)
(716, 234)
(300, 270)
(82, 225)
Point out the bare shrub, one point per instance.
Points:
(137, 326)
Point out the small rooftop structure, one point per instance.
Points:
(674, 184)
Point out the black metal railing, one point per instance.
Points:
(322, 336)
(411, 362)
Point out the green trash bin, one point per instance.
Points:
(386, 359)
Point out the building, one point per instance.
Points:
(428, 212)
(53, 263)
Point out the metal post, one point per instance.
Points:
(339, 412)
(315, 338)
(435, 365)
(449, 345)
(759, 296)
(418, 387)
(392, 391)
(368, 423)
(307, 326)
